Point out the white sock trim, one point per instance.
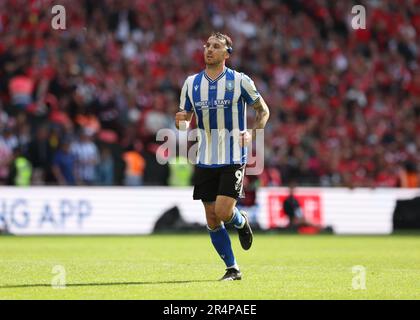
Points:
(233, 217)
(235, 266)
(242, 225)
(215, 229)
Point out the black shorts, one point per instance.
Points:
(225, 181)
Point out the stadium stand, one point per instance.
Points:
(345, 103)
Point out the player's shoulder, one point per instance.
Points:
(246, 77)
(234, 72)
(246, 80)
(240, 74)
(189, 80)
(190, 77)
(193, 76)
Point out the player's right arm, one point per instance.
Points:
(185, 106)
(183, 116)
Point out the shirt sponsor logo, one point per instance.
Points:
(218, 103)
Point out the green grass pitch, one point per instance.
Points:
(186, 267)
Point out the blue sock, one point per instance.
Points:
(237, 219)
(221, 242)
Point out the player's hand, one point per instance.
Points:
(181, 116)
(245, 138)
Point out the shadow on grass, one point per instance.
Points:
(48, 285)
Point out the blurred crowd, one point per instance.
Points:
(82, 106)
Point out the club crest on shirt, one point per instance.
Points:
(229, 85)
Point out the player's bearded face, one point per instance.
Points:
(215, 51)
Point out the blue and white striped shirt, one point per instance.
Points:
(220, 109)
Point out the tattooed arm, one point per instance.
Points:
(263, 113)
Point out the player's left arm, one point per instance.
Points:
(263, 113)
(253, 98)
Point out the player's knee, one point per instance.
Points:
(213, 225)
(212, 221)
(223, 213)
(224, 207)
